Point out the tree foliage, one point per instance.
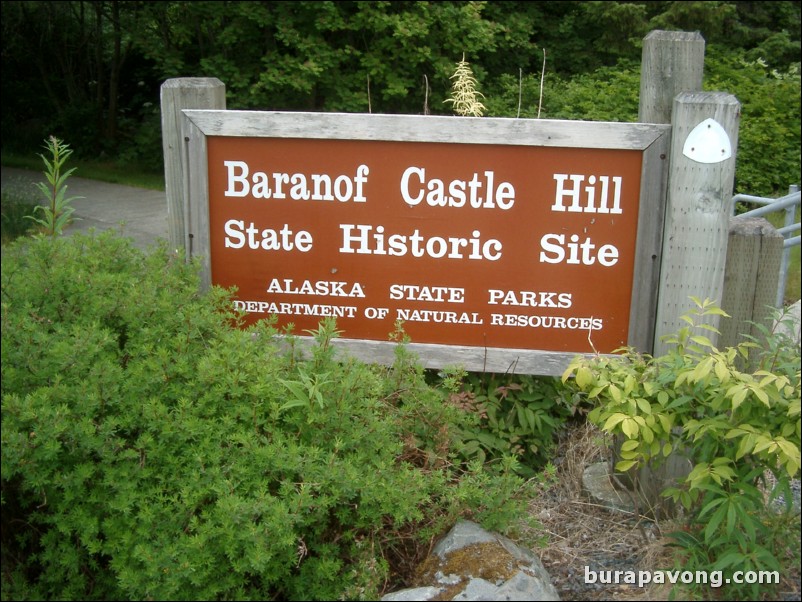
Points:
(90, 71)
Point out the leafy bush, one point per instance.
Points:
(152, 449)
(735, 426)
(607, 94)
(517, 419)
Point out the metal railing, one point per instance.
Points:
(789, 204)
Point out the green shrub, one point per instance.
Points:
(736, 427)
(152, 449)
(516, 419)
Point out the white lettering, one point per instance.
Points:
(234, 178)
(438, 294)
(259, 185)
(416, 244)
(554, 249)
(326, 288)
(237, 235)
(460, 192)
(574, 193)
(529, 299)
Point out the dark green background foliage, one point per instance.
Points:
(153, 450)
(90, 72)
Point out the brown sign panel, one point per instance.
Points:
(477, 245)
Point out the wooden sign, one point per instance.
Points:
(496, 242)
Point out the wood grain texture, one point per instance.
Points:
(176, 95)
(754, 254)
(671, 62)
(697, 214)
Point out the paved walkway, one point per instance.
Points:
(137, 212)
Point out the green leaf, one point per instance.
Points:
(700, 471)
(762, 443)
(531, 419)
(746, 446)
(731, 522)
(702, 370)
(738, 394)
(630, 428)
(568, 371)
(625, 465)
(701, 340)
(761, 395)
(629, 384)
(613, 421)
(584, 377)
(298, 390)
(722, 373)
(715, 520)
(644, 405)
(723, 472)
(733, 558)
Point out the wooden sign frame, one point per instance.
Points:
(651, 141)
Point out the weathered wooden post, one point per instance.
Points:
(671, 62)
(704, 139)
(700, 178)
(700, 185)
(701, 172)
(754, 254)
(178, 94)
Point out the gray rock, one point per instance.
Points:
(526, 587)
(464, 533)
(446, 579)
(596, 481)
(470, 563)
(478, 589)
(412, 594)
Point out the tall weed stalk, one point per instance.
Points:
(56, 214)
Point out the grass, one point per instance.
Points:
(792, 287)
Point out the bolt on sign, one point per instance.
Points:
(490, 239)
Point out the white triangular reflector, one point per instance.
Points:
(708, 143)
